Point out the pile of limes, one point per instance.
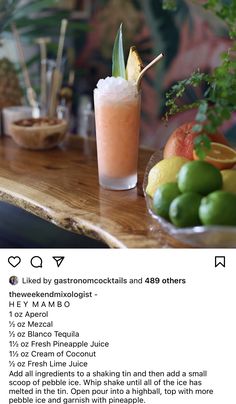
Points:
(202, 195)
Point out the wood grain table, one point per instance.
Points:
(61, 186)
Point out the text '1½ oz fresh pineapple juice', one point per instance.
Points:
(117, 114)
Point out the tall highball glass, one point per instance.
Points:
(117, 116)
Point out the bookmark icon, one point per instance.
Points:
(220, 261)
(58, 260)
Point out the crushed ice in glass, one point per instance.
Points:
(116, 89)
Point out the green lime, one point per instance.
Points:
(163, 197)
(164, 171)
(199, 176)
(218, 208)
(184, 210)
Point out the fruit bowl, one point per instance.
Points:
(39, 134)
(199, 236)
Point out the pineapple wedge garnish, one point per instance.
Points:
(134, 65)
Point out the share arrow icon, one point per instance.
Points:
(58, 260)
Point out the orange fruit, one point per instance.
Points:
(220, 156)
(181, 142)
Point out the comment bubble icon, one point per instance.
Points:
(36, 262)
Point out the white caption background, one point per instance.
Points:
(162, 327)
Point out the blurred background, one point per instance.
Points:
(190, 38)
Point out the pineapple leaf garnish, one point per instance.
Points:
(118, 60)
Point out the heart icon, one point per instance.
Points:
(14, 261)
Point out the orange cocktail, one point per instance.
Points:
(117, 114)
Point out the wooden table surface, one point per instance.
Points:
(61, 186)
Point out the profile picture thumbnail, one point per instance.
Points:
(13, 280)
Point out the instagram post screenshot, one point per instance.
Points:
(118, 201)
